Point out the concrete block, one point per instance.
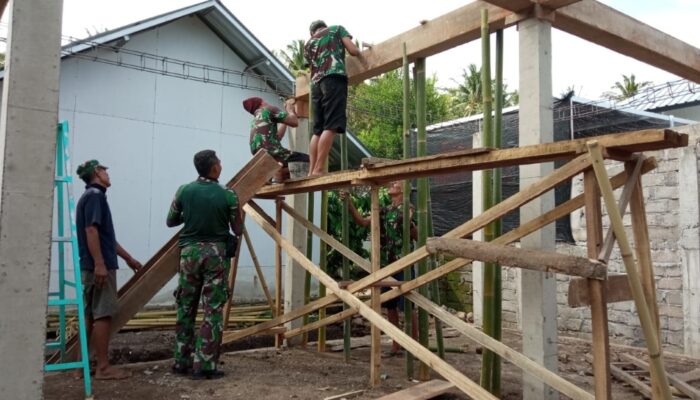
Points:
(669, 284)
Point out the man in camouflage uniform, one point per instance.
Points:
(207, 209)
(325, 53)
(267, 129)
(391, 244)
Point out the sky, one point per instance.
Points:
(588, 68)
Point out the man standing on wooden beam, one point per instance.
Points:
(325, 53)
(207, 209)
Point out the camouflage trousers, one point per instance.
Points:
(203, 273)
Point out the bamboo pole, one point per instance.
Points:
(490, 363)
(278, 268)
(422, 213)
(434, 290)
(376, 351)
(406, 244)
(345, 229)
(645, 317)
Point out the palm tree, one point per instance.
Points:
(293, 57)
(629, 87)
(467, 96)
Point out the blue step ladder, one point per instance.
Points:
(64, 237)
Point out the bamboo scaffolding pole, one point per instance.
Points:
(526, 195)
(258, 270)
(422, 353)
(434, 290)
(645, 317)
(422, 210)
(491, 294)
(406, 248)
(278, 267)
(345, 229)
(510, 237)
(376, 334)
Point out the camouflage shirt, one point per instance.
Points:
(325, 52)
(263, 132)
(391, 228)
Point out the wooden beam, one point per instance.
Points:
(536, 260)
(625, 376)
(422, 391)
(617, 289)
(645, 316)
(646, 140)
(258, 270)
(278, 267)
(376, 335)
(440, 366)
(681, 385)
(435, 36)
(607, 27)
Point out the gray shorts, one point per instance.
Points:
(99, 302)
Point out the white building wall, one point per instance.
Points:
(146, 128)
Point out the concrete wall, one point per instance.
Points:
(146, 127)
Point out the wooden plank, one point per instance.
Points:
(681, 385)
(374, 162)
(624, 200)
(536, 260)
(640, 233)
(435, 36)
(258, 270)
(278, 267)
(645, 317)
(376, 335)
(422, 391)
(555, 4)
(347, 395)
(597, 290)
(610, 28)
(617, 289)
(440, 366)
(647, 140)
(624, 376)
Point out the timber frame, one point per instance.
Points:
(584, 158)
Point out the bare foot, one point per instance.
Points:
(315, 174)
(112, 373)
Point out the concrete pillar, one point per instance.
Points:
(539, 290)
(690, 247)
(27, 154)
(293, 273)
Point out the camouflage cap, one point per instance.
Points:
(88, 167)
(316, 24)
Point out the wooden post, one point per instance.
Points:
(645, 317)
(596, 289)
(376, 355)
(233, 271)
(646, 269)
(258, 270)
(278, 268)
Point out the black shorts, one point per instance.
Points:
(329, 99)
(396, 302)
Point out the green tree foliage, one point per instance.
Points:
(375, 112)
(466, 98)
(293, 57)
(629, 87)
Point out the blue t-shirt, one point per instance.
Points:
(93, 209)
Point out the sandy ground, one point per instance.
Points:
(297, 373)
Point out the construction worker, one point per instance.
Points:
(391, 242)
(325, 53)
(267, 129)
(207, 209)
(98, 248)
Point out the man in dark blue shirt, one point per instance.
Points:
(99, 249)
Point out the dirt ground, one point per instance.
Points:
(297, 373)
